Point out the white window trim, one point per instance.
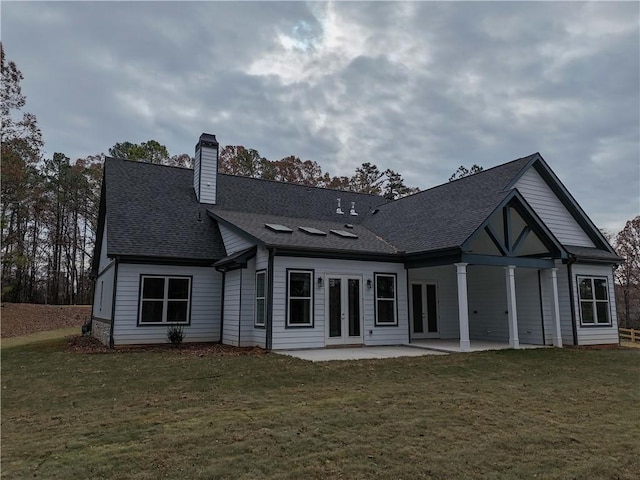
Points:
(594, 301)
(165, 300)
(263, 298)
(310, 298)
(394, 300)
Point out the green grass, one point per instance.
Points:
(144, 415)
(38, 337)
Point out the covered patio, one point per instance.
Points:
(499, 289)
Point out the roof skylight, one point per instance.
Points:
(312, 231)
(276, 227)
(344, 234)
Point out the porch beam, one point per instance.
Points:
(555, 308)
(463, 307)
(494, 238)
(510, 277)
(506, 219)
(526, 262)
(521, 238)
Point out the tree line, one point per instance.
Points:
(49, 206)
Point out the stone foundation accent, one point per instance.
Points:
(101, 329)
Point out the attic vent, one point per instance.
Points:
(276, 227)
(339, 209)
(312, 231)
(353, 209)
(348, 225)
(344, 234)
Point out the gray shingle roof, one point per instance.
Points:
(446, 215)
(254, 225)
(290, 200)
(152, 212)
(589, 253)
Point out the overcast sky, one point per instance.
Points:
(420, 88)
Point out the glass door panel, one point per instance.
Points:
(335, 307)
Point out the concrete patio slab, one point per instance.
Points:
(357, 353)
(453, 345)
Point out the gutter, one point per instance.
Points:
(113, 303)
(269, 327)
(224, 275)
(572, 259)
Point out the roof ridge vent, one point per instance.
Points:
(353, 209)
(339, 209)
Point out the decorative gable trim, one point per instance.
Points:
(507, 246)
(566, 198)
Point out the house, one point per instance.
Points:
(504, 255)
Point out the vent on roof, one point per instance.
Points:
(348, 225)
(339, 209)
(344, 234)
(312, 231)
(353, 209)
(276, 227)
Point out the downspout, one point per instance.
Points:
(570, 262)
(269, 329)
(113, 303)
(544, 337)
(240, 310)
(224, 275)
(408, 305)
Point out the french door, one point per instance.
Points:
(344, 310)
(424, 310)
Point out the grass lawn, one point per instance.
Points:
(145, 415)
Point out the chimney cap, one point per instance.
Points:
(207, 140)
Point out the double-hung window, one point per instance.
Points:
(261, 283)
(164, 299)
(385, 293)
(594, 301)
(300, 298)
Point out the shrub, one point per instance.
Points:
(175, 334)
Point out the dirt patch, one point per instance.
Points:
(88, 344)
(25, 318)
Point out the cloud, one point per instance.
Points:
(419, 87)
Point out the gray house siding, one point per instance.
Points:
(233, 242)
(205, 305)
(103, 295)
(551, 210)
(530, 320)
(247, 314)
(588, 335)
(207, 175)
(315, 337)
(232, 309)
(564, 299)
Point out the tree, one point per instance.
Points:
(238, 160)
(465, 172)
(150, 151)
(21, 141)
(628, 273)
(367, 179)
(394, 186)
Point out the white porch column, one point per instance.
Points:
(510, 275)
(463, 307)
(555, 309)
